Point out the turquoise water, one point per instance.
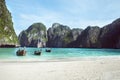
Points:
(58, 53)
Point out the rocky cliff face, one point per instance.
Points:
(89, 37)
(7, 33)
(62, 36)
(110, 35)
(58, 35)
(75, 32)
(95, 37)
(34, 34)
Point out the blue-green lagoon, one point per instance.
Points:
(57, 53)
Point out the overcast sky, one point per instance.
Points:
(74, 13)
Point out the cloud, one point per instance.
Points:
(26, 20)
(74, 13)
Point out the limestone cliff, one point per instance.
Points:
(8, 36)
(30, 37)
(61, 35)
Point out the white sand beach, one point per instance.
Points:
(85, 69)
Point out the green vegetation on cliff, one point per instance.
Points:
(7, 33)
(35, 32)
(68, 37)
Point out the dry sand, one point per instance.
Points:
(85, 69)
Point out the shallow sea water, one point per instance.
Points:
(58, 53)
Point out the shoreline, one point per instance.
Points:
(25, 60)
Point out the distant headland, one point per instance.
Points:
(61, 36)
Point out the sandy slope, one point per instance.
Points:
(91, 69)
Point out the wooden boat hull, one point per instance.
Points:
(21, 53)
(48, 50)
(37, 53)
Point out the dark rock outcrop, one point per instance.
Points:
(30, 37)
(8, 36)
(75, 32)
(88, 38)
(110, 35)
(61, 35)
(95, 37)
(58, 35)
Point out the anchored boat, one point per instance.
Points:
(38, 52)
(21, 52)
(48, 50)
